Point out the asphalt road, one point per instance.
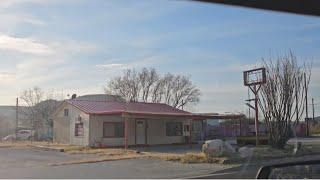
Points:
(28, 163)
(248, 170)
(239, 172)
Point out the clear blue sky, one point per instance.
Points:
(75, 46)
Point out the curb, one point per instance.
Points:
(45, 148)
(88, 161)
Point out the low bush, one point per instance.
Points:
(171, 158)
(193, 158)
(315, 129)
(251, 140)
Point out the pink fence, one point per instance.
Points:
(233, 130)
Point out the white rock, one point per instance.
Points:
(245, 151)
(215, 147)
(228, 148)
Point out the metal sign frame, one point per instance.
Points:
(247, 73)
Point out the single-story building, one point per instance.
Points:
(117, 123)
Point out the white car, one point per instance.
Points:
(21, 135)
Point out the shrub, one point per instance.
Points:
(315, 129)
(193, 158)
(251, 140)
(172, 158)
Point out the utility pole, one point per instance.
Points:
(17, 117)
(313, 110)
(257, 114)
(249, 98)
(297, 105)
(306, 98)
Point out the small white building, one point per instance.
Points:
(109, 123)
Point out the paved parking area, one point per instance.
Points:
(124, 169)
(29, 163)
(28, 157)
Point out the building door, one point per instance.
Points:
(140, 131)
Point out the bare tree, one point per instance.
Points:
(32, 97)
(147, 78)
(39, 107)
(148, 86)
(282, 98)
(157, 91)
(127, 86)
(167, 87)
(183, 92)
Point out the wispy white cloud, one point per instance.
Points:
(71, 46)
(11, 19)
(236, 67)
(7, 77)
(315, 77)
(11, 3)
(137, 62)
(111, 66)
(24, 45)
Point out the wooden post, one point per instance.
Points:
(313, 110)
(17, 117)
(257, 114)
(126, 133)
(240, 127)
(190, 137)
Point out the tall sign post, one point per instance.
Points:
(17, 117)
(254, 79)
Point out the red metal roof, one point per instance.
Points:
(113, 107)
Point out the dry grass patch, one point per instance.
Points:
(183, 158)
(22, 144)
(101, 154)
(99, 151)
(194, 158)
(97, 159)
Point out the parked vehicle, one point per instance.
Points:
(24, 134)
(9, 137)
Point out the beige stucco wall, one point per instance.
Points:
(61, 127)
(61, 130)
(64, 127)
(156, 131)
(96, 133)
(79, 140)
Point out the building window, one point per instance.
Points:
(113, 129)
(66, 112)
(174, 129)
(78, 129)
